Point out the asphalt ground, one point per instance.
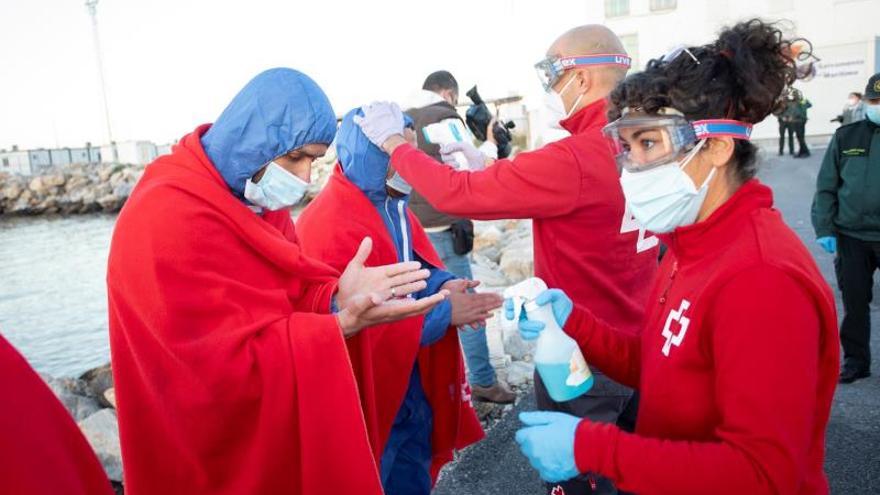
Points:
(495, 465)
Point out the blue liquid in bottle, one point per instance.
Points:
(554, 376)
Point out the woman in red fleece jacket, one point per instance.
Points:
(737, 359)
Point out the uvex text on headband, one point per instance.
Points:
(551, 69)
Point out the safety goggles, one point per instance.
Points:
(550, 70)
(641, 142)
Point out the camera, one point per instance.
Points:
(478, 118)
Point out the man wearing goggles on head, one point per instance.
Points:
(585, 239)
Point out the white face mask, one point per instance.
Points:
(397, 183)
(555, 107)
(277, 189)
(665, 197)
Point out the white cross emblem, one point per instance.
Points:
(630, 224)
(674, 339)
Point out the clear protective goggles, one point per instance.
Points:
(641, 142)
(550, 70)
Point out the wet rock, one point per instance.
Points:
(97, 380)
(102, 431)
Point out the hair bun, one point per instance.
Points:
(761, 68)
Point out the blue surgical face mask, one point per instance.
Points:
(397, 183)
(277, 189)
(873, 113)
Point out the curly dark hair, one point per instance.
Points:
(742, 75)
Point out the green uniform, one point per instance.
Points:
(847, 197)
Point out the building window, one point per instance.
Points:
(616, 8)
(631, 45)
(6, 163)
(663, 4)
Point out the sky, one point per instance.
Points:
(171, 65)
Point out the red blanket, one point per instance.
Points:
(230, 375)
(332, 228)
(42, 452)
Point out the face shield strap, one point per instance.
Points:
(722, 128)
(551, 69)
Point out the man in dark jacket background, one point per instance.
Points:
(436, 103)
(846, 217)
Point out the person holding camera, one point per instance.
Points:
(453, 236)
(586, 241)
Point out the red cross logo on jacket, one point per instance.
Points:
(674, 339)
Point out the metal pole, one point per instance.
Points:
(93, 12)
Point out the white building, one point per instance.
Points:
(60, 157)
(107, 153)
(15, 161)
(40, 159)
(136, 152)
(845, 35)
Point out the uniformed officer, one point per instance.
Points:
(846, 217)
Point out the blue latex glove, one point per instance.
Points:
(548, 443)
(828, 243)
(531, 329)
(380, 121)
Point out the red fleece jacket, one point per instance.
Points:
(231, 376)
(586, 242)
(383, 356)
(736, 365)
(42, 452)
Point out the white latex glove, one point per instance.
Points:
(489, 149)
(476, 160)
(381, 120)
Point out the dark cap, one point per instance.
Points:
(872, 90)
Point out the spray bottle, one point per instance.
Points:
(558, 358)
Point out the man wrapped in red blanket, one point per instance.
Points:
(227, 342)
(410, 373)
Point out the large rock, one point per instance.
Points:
(110, 397)
(76, 183)
(514, 345)
(71, 394)
(98, 380)
(520, 373)
(490, 236)
(489, 276)
(102, 431)
(517, 264)
(11, 191)
(54, 180)
(37, 185)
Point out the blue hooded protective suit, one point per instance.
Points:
(277, 112)
(406, 460)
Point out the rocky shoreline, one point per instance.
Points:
(502, 256)
(73, 189)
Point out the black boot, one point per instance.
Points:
(849, 375)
